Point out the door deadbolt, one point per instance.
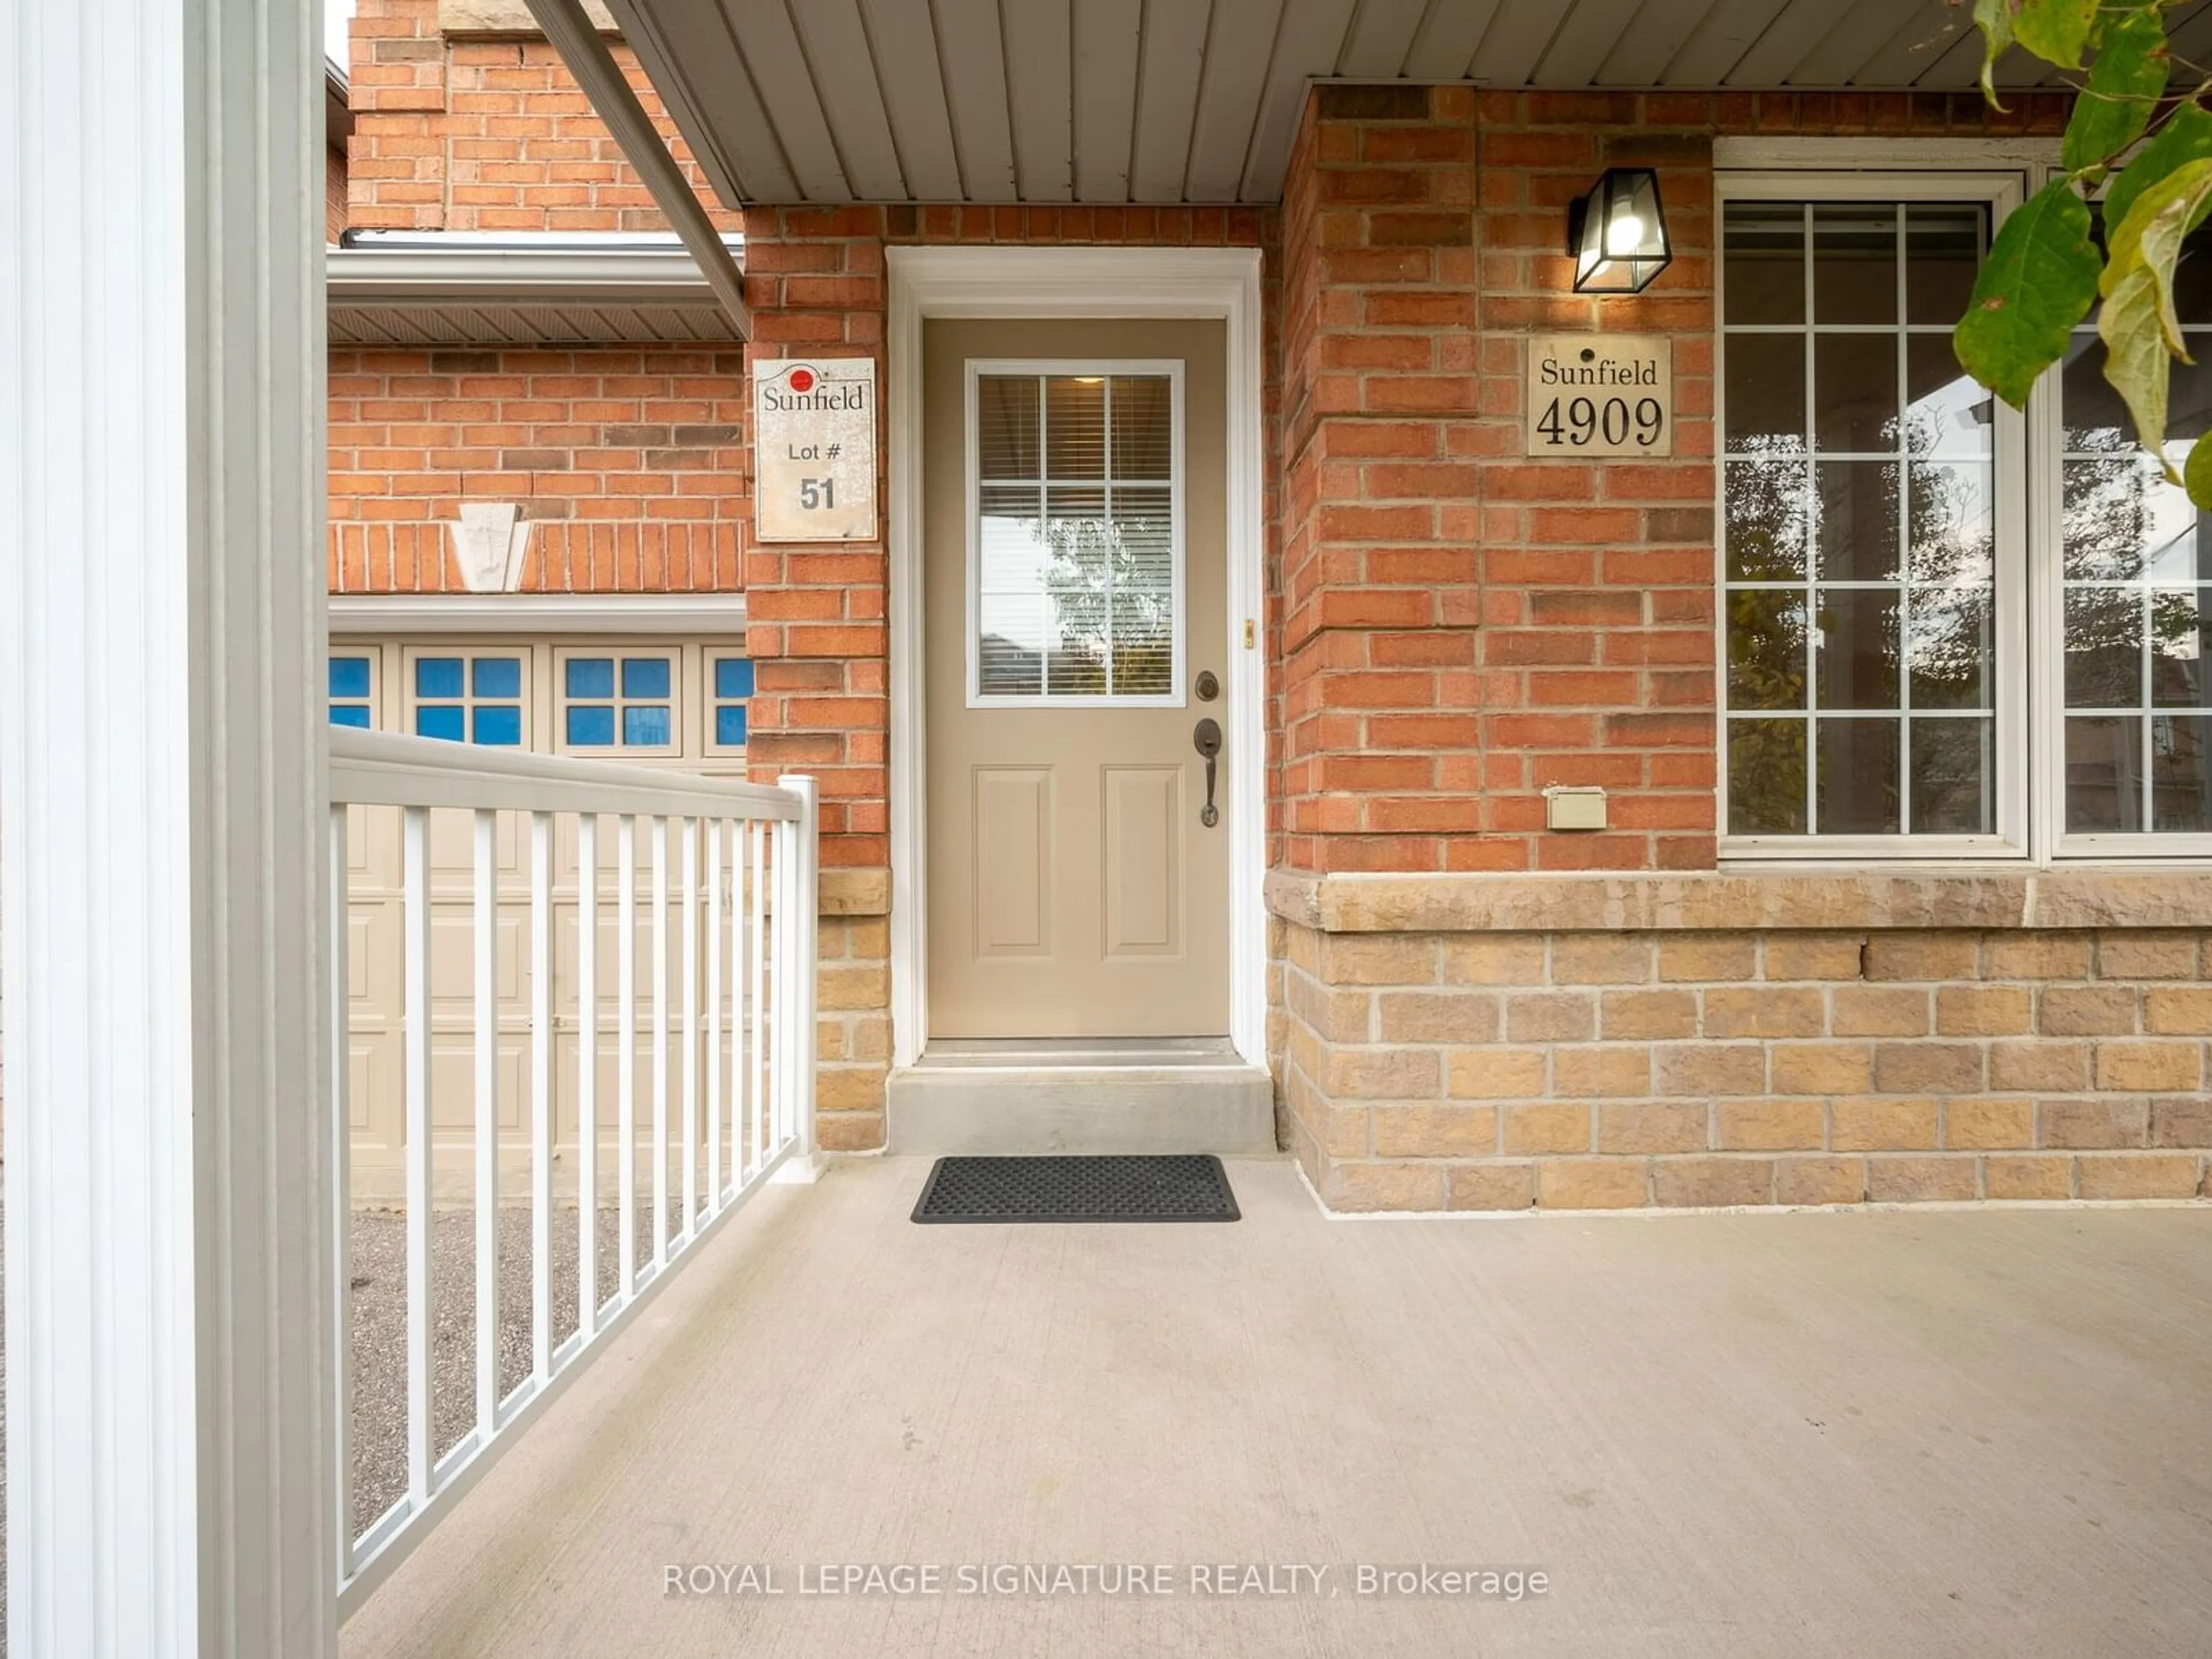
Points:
(1207, 688)
(1205, 738)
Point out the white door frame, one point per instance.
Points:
(1078, 282)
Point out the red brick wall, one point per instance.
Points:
(631, 461)
(1460, 627)
(334, 193)
(470, 134)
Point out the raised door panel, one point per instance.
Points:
(1012, 874)
(1141, 884)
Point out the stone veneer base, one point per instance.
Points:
(1501, 1042)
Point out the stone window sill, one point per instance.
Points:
(1736, 899)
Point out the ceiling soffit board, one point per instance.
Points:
(1170, 59)
(1920, 47)
(1238, 49)
(1717, 45)
(1579, 49)
(902, 40)
(1653, 38)
(1516, 41)
(1312, 31)
(684, 44)
(1108, 33)
(784, 80)
(834, 44)
(1161, 101)
(973, 60)
(407, 326)
(1040, 98)
(1382, 38)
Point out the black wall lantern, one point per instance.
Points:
(1617, 234)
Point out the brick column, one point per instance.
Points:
(1380, 755)
(1462, 626)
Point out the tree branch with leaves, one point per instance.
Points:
(2150, 152)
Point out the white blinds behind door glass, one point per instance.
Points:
(1074, 546)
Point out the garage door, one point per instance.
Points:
(678, 703)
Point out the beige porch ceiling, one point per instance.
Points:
(1198, 100)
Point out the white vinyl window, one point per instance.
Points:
(1872, 525)
(1075, 533)
(2135, 614)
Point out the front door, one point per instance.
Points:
(1075, 537)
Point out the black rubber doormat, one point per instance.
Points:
(1184, 1187)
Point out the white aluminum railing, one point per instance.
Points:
(757, 1113)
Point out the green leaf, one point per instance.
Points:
(2141, 331)
(1994, 19)
(2135, 359)
(2185, 136)
(2197, 473)
(2035, 286)
(2162, 215)
(2125, 86)
(2056, 31)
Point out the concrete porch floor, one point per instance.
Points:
(1925, 1433)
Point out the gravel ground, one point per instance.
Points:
(380, 1328)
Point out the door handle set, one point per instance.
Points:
(1205, 738)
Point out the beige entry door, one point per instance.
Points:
(1075, 549)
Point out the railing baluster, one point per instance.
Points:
(659, 1042)
(757, 833)
(486, 1137)
(744, 1034)
(740, 1058)
(690, 1027)
(541, 1097)
(588, 1074)
(798, 850)
(779, 1040)
(415, 836)
(626, 1054)
(340, 1010)
(712, 827)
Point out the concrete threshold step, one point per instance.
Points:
(1144, 1094)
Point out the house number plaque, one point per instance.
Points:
(1600, 394)
(814, 451)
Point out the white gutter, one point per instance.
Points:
(577, 39)
(352, 615)
(466, 274)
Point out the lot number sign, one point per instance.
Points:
(1600, 394)
(814, 449)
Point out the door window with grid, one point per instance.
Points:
(1075, 535)
(1864, 578)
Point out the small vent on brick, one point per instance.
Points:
(1865, 946)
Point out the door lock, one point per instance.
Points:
(1205, 738)
(1207, 688)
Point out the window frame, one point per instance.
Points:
(2000, 188)
(711, 701)
(1170, 368)
(373, 654)
(562, 655)
(2056, 845)
(469, 650)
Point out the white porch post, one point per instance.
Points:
(170, 1462)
